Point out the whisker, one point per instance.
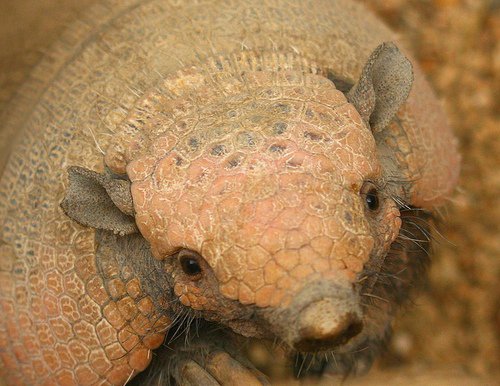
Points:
(302, 365)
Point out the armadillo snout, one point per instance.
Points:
(320, 326)
(324, 315)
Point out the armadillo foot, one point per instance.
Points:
(200, 356)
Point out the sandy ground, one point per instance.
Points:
(452, 334)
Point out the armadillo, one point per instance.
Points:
(258, 169)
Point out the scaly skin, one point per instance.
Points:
(218, 112)
(258, 196)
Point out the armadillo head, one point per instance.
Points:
(264, 190)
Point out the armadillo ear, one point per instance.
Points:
(99, 201)
(384, 85)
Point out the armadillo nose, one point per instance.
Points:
(321, 327)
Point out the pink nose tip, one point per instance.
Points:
(321, 326)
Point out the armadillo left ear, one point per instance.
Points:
(99, 201)
(383, 87)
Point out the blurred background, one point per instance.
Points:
(451, 335)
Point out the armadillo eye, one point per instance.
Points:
(371, 199)
(190, 266)
(189, 263)
(370, 195)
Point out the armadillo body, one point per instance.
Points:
(68, 317)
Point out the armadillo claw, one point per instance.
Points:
(220, 370)
(229, 371)
(192, 374)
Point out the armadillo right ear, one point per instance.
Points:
(99, 201)
(383, 87)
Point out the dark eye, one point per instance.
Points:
(189, 263)
(371, 197)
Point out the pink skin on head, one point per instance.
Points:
(271, 200)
